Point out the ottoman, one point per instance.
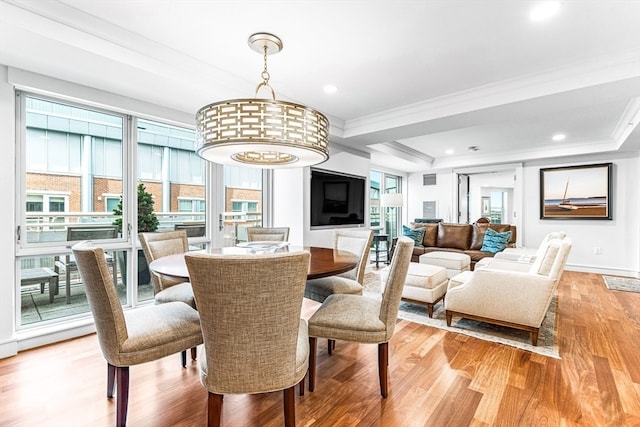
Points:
(425, 284)
(454, 262)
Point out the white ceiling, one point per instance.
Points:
(414, 78)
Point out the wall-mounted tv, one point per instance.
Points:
(337, 199)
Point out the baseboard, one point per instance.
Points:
(37, 337)
(603, 270)
(8, 348)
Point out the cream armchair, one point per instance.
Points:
(508, 297)
(527, 254)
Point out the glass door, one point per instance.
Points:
(243, 203)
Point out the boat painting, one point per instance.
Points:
(566, 203)
(578, 192)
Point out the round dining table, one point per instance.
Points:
(322, 263)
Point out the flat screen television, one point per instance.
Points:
(337, 199)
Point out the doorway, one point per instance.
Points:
(493, 192)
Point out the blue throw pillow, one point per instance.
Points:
(417, 234)
(495, 242)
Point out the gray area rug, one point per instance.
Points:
(547, 338)
(628, 284)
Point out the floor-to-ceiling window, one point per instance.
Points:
(375, 179)
(385, 219)
(75, 185)
(392, 214)
(243, 202)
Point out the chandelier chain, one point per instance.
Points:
(265, 77)
(265, 72)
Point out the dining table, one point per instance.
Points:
(322, 263)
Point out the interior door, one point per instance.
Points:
(463, 199)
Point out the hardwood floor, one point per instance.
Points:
(436, 378)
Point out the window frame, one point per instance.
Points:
(23, 246)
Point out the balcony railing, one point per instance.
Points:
(52, 227)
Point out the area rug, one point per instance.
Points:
(628, 284)
(547, 338)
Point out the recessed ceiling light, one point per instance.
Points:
(330, 89)
(559, 137)
(473, 148)
(449, 151)
(544, 11)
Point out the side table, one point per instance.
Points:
(377, 240)
(34, 276)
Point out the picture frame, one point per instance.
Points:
(486, 206)
(576, 192)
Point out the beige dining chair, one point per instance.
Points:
(271, 234)
(193, 229)
(157, 245)
(357, 242)
(363, 319)
(82, 232)
(254, 338)
(136, 336)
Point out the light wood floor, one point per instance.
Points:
(437, 378)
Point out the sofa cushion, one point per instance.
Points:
(495, 241)
(477, 236)
(478, 231)
(430, 233)
(456, 236)
(415, 233)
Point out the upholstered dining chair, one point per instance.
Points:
(275, 234)
(363, 319)
(159, 244)
(254, 338)
(351, 282)
(137, 336)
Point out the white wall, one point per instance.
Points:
(442, 193)
(618, 239)
(8, 344)
(288, 197)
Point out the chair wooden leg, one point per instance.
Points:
(194, 353)
(449, 317)
(534, 337)
(301, 387)
(289, 397)
(111, 379)
(122, 395)
(214, 410)
(313, 344)
(383, 366)
(331, 345)
(183, 356)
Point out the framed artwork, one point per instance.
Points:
(486, 206)
(576, 192)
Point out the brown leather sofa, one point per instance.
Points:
(462, 238)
